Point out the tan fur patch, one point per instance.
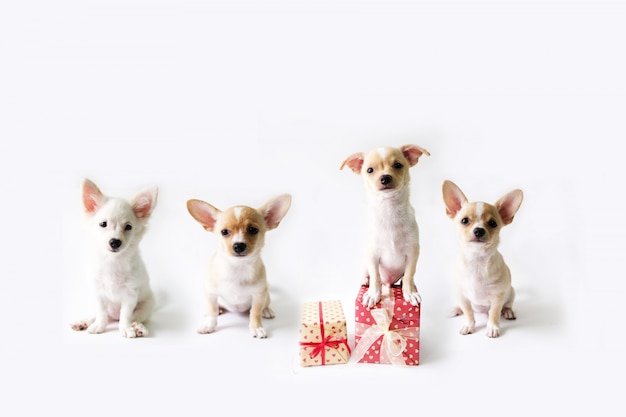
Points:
(237, 225)
(386, 161)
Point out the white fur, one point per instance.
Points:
(480, 209)
(392, 246)
(483, 278)
(383, 152)
(118, 275)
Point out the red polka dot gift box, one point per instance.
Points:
(323, 334)
(389, 332)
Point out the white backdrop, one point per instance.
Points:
(233, 102)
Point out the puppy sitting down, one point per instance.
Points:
(120, 280)
(236, 279)
(392, 246)
(484, 279)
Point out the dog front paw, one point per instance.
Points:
(467, 329)
(267, 313)
(456, 311)
(258, 332)
(413, 297)
(493, 331)
(96, 327)
(508, 313)
(205, 329)
(371, 297)
(208, 326)
(134, 330)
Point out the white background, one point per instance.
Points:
(233, 102)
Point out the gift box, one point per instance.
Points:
(323, 334)
(388, 332)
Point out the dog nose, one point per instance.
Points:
(115, 243)
(385, 179)
(479, 232)
(239, 247)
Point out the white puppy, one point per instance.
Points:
(119, 277)
(236, 279)
(393, 236)
(484, 279)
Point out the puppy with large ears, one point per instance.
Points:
(236, 279)
(120, 280)
(484, 279)
(392, 247)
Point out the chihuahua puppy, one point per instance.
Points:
(392, 247)
(120, 279)
(484, 280)
(236, 279)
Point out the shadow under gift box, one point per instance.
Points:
(323, 334)
(389, 332)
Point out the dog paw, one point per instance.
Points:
(96, 327)
(493, 331)
(134, 330)
(467, 329)
(413, 298)
(81, 325)
(456, 311)
(205, 329)
(267, 313)
(258, 333)
(508, 313)
(371, 297)
(208, 326)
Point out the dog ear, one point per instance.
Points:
(92, 196)
(453, 198)
(508, 205)
(354, 162)
(412, 153)
(274, 210)
(144, 203)
(204, 213)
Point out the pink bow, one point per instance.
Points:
(393, 342)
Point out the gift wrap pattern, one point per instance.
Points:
(389, 332)
(323, 334)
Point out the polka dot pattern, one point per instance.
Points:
(323, 343)
(405, 316)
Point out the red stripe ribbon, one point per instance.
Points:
(320, 347)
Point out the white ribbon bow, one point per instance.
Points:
(393, 342)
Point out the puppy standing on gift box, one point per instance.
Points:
(120, 279)
(393, 236)
(236, 279)
(484, 280)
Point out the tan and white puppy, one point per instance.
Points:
(392, 247)
(236, 279)
(120, 280)
(484, 279)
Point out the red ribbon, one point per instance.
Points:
(320, 347)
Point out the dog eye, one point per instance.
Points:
(128, 227)
(103, 224)
(253, 230)
(465, 220)
(492, 223)
(225, 232)
(397, 165)
(370, 170)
